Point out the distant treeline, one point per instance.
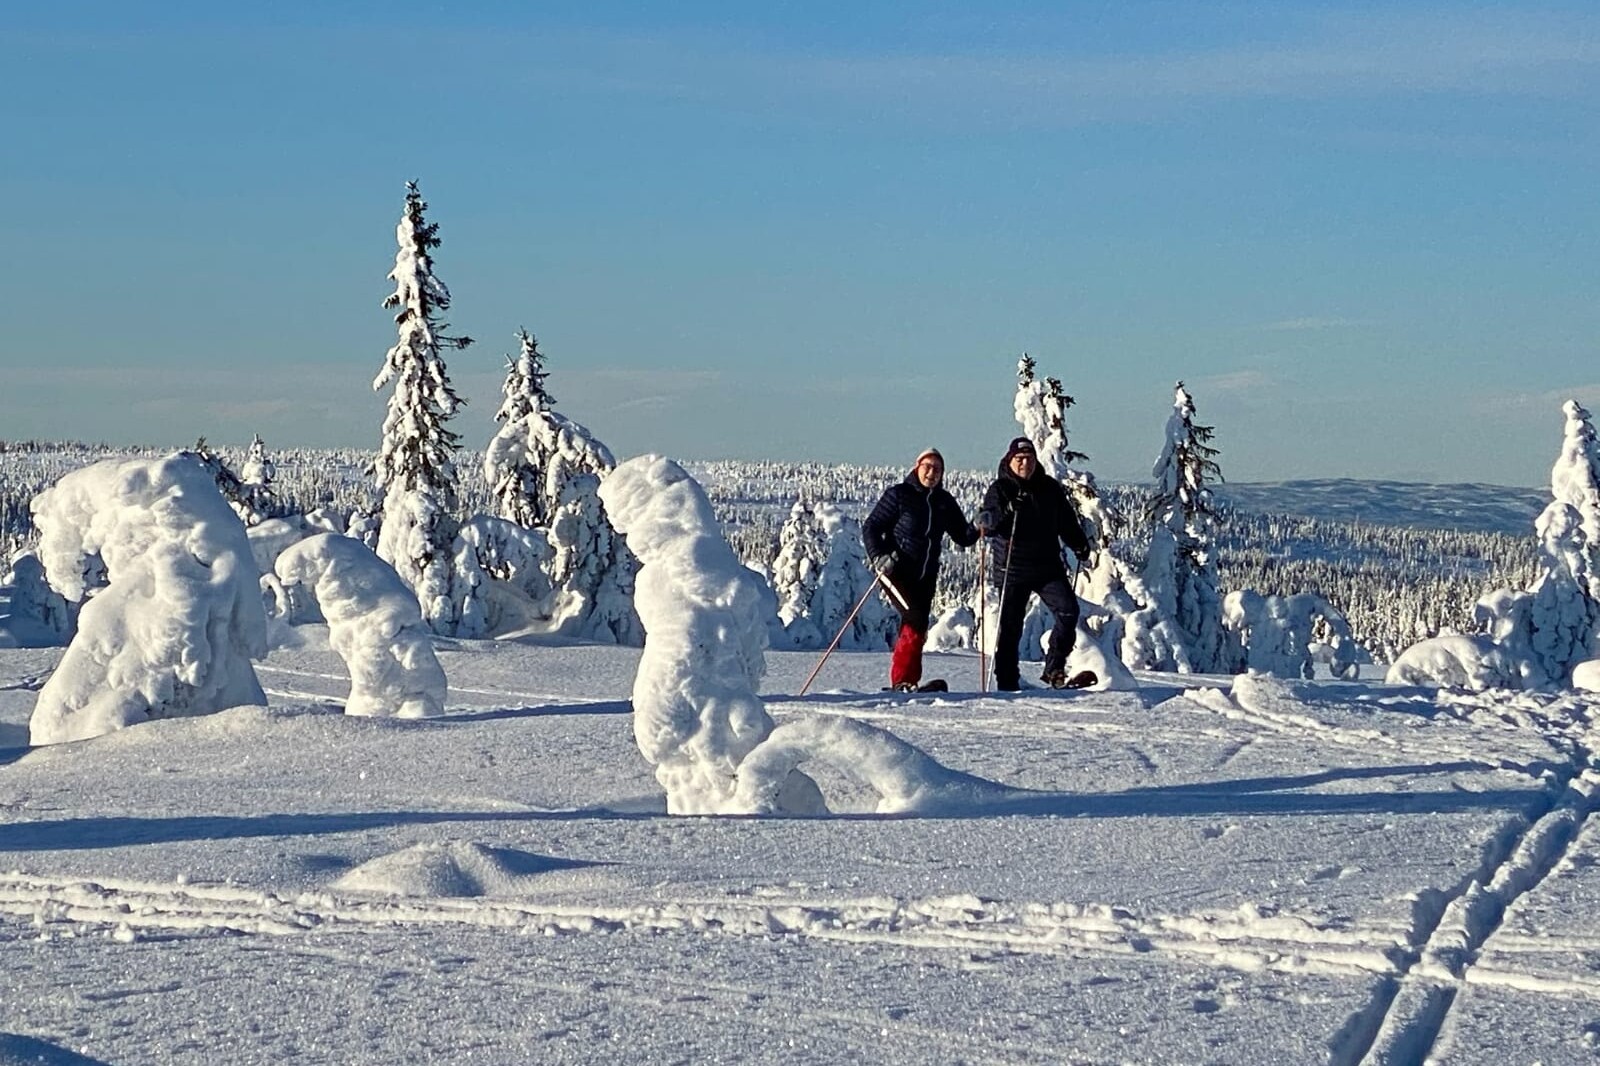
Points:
(1395, 584)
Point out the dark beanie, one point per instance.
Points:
(1019, 446)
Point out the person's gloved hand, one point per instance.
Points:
(882, 564)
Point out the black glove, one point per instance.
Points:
(882, 564)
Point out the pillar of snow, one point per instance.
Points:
(175, 629)
(374, 623)
(696, 713)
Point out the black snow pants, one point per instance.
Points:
(1056, 594)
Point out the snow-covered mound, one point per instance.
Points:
(451, 869)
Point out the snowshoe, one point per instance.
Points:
(936, 685)
(1059, 679)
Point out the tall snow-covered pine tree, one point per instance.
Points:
(1181, 569)
(512, 474)
(415, 468)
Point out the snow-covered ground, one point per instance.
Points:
(1205, 871)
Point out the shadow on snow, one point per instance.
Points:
(1263, 796)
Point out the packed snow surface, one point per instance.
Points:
(1202, 870)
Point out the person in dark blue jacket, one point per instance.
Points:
(903, 535)
(1030, 515)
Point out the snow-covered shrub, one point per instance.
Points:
(175, 630)
(374, 624)
(1097, 655)
(1461, 661)
(500, 575)
(696, 713)
(271, 536)
(1145, 636)
(32, 614)
(326, 520)
(415, 469)
(953, 630)
(1286, 636)
(591, 569)
(845, 580)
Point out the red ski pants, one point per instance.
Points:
(905, 665)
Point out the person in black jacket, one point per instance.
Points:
(1030, 515)
(903, 535)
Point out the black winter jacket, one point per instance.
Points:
(1044, 518)
(910, 520)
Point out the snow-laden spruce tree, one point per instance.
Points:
(415, 468)
(1562, 614)
(1040, 408)
(696, 712)
(174, 631)
(1575, 481)
(1532, 638)
(257, 502)
(228, 483)
(374, 624)
(512, 473)
(1180, 571)
(844, 580)
(820, 574)
(796, 573)
(545, 471)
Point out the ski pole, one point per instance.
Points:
(1006, 576)
(894, 593)
(983, 609)
(862, 602)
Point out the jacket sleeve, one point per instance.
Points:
(1072, 526)
(994, 513)
(877, 532)
(955, 523)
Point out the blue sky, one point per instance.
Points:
(1363, 234)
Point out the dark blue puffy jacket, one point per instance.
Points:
(910, 520)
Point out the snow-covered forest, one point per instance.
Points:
(1395, 582)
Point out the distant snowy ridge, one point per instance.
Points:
(1468, 507)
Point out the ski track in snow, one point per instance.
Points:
(1408, 1016)
(1246, 939)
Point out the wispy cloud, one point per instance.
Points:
(1334, 57)
(1235, 384)
(1519, 404)
(1310, 324)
